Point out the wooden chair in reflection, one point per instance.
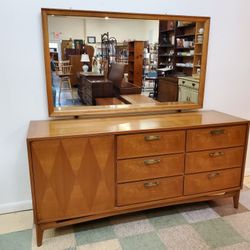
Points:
(63, 71)
(59, 64)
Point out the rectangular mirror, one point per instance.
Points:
(103, 63)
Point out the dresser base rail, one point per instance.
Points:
(234, 193)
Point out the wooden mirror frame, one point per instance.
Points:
(119, 110)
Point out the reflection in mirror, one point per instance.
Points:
(110, 61)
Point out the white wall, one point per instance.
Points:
(23, 95)
(121, 29)
(69, 27)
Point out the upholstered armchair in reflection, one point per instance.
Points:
(122, 87)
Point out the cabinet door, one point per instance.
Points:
(194, 96)
(180, 94)
(73, 177)
(184, 94)
(167, 91)
(138, 63)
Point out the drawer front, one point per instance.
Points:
(148, 144)
(144, 191)
(215, 159)
(212, 181)
(216, 137)
(150, 167)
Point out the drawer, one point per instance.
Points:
(212, 181)
(214, 159)
(144, 191)
(150, 167)
(148, 144)
(216, 137)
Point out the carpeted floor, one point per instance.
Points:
(205, 225)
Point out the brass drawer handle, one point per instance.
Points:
(151, 184)
(213, 175)
(216, 154)
(217, 132)
(152, 138)
(152, 161)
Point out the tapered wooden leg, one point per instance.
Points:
(236, 198)
(39, 235)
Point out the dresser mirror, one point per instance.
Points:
(107, 63)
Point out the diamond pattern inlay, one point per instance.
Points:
(73, 151)
(46, 157)
(62, 179)
(75, 179)
(90, 173)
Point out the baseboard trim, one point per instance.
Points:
(15, 207)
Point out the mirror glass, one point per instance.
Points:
(105, 61)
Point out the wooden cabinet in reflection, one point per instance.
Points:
(93, 85)
(135, 62)
(188, 89)
(168, 89)
(75, 61)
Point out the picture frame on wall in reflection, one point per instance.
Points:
(91, 39)
(78, 43)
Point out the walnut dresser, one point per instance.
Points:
(85, 169)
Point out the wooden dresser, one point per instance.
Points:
(92, 85)
(85, 169)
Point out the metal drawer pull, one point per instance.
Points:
(217, 132)
(216, 154)
(213, 175)
(152, 138)
(152, 161)
(151, 184)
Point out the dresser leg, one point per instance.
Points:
(236, 198)
(39, 235)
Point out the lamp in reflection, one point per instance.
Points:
(85, 60)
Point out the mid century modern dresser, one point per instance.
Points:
(85, 169)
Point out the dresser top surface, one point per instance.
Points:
(129, 124)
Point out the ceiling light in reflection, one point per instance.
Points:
(147, 123)
(124, 126)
